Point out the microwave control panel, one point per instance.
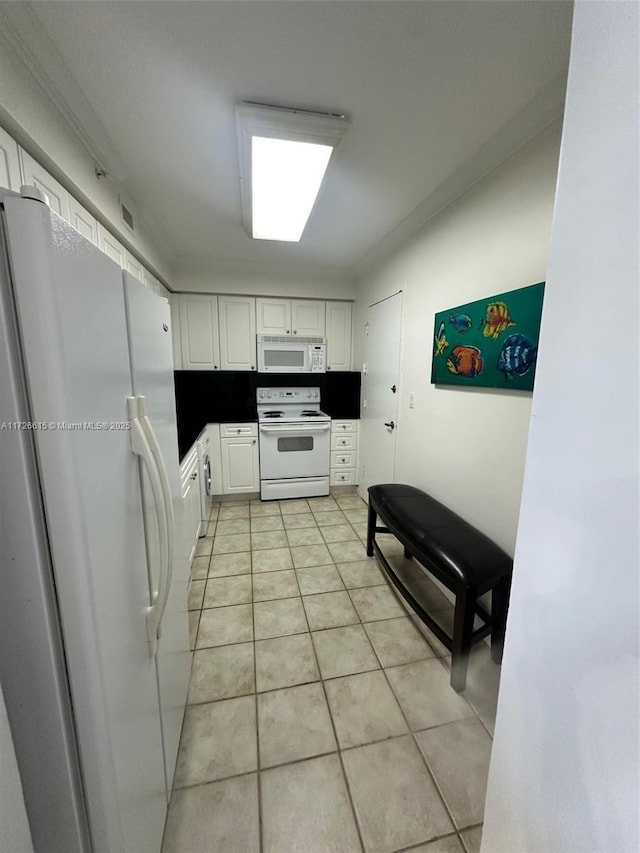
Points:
(317, 359)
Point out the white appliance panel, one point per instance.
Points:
(149, 329)
(74, 340)
(291, 450)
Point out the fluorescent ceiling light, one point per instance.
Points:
(283, 158)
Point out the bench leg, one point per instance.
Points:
(499, 608)
(407, 554)
(371, 530)
(461, 642)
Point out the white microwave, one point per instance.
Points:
(278, 354)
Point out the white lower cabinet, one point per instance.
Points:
(240, 458)
(344, 453)
(191, 500)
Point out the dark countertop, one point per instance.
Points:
(214, 396)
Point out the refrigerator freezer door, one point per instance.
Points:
(149, 323)
(73, 332)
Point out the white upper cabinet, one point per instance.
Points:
(308, 318)
(339, 319)
(291, 317)
(237, 316)
(9, 163)
(273, 316)
(149, 280)
(111, 247)
(35, 176)
(199, 332)
(133, 266)
(83, 221)
(176, 337)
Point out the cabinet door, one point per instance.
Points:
(133, 266)
(9, 163)
(308, 317)
(35, 176)
(339, 316)
(240, 472)
(149, 280)
(189, 538)
(273, 316)
(237, 332)
(83, 221)
(176, 342)
(108, 244)
(199, 332)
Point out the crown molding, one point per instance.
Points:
(539, 114)
(23, 30)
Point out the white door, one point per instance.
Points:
(133, 266)
(240, 465)
(77, 364)
(308, 317)
(83, 221)
(9, 164)
(274, 316)
(237, 332)
(199, 332)
(110, 246)
(339, 335)
(149, 328)
(379, 418)
(35, 176)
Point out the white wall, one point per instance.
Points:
(565, 768)
(15, 836)
(30, 117)
(467, 447)
(264, 281)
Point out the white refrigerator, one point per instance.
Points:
(94, 647)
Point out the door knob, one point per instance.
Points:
(391, 425)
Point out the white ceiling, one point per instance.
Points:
(425, 84)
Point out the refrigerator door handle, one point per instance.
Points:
(140, 446)
(168, 506)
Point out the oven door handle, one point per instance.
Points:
(296, 428)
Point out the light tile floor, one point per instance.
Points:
(320, 717)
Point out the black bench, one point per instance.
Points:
(466, 561)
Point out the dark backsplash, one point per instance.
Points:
(214, 396)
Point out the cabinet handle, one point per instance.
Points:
(254, 441)
(288, 332)
(215, 366)
(295, 331)
(194, 475)
(253, 367)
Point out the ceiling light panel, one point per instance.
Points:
(283, 157)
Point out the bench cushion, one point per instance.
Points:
(454, 550)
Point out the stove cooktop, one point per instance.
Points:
(296, 405)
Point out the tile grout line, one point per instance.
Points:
(255, 687)
(333, 727)
(415, 742)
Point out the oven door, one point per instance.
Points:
(294, 450)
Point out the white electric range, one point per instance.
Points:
(294, 443)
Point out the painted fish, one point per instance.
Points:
(461, 322)
(497, 320)
(465, 361)
(441, 342)
(517, 356)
